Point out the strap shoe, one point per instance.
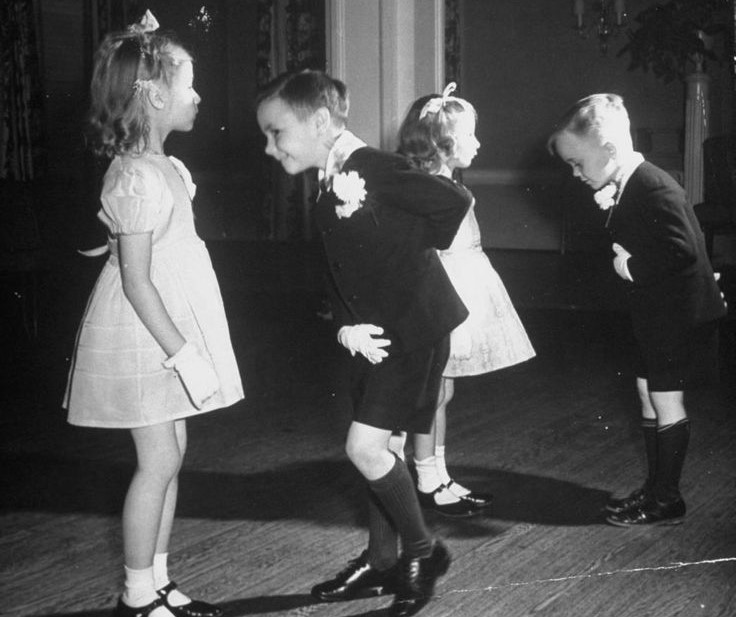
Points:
(195, 608)
(460, 508)
(479, 500)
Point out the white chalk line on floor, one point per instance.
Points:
(674, 566)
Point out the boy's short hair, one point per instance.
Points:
(600, 115)
(306, 91)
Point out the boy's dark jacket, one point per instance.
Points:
(674, 287)
(382, 259)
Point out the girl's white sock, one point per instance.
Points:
(427, 478)
(440, 464)
(161, 579)
(139, 589)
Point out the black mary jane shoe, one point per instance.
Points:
(633, 500)
(417, 578)
(358, 580)
(479, 500)
(195, 608)
(457, 509)
(123, 610)
(651, 512)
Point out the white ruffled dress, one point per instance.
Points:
(117, 379)
(492, 337)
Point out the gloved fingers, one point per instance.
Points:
(370, 329)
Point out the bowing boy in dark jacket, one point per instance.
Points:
(675, 303)
(380, 221)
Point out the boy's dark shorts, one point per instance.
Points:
(401, 392)
(683, 361)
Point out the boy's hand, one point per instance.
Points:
(619, 262)
(196, 373)
(359, 339)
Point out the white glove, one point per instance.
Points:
(196, 373)
(619, 262)
(359, 339)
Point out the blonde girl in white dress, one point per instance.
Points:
(153, 347)
(438, 135)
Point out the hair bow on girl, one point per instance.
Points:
(148, 23)
(435, 105)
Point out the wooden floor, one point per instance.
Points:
(269, 504)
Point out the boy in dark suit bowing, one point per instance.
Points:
(675, 303)
(380, 221)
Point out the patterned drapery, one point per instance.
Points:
(21, 99)
(291, 37)
(452, 42)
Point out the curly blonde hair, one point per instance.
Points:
(427, 140)
(125, 63)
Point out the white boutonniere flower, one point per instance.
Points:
(350, 190)
(605, 196)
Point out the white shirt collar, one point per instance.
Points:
(628, 167)
(344, 146)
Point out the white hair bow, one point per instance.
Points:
(435, 104)
(148, 23)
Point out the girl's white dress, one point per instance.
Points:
(492, 337)
(117, 378)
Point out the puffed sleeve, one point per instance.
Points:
(133, 197)
(185, 176)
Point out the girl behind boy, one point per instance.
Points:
(438, 135)
(154, 346)
(659, 253)
(380, 221)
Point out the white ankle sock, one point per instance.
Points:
(440, 464)
(161, 579)
(427, 478)
(445, 496)
(139, 589)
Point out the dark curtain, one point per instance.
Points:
(291, 38)
(21, 99)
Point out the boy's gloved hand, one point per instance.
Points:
(359, 339)
(619, 262)
(196, 373)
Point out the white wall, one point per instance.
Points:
(388, 53)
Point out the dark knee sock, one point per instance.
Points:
(382, 536)
(672, 442)
(649, 430)
(395, 491)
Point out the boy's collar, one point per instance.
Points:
(345, 144)
(628, 167)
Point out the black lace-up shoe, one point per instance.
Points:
(651, 512)
(358, 580)
(633, 500)
(417, 578)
